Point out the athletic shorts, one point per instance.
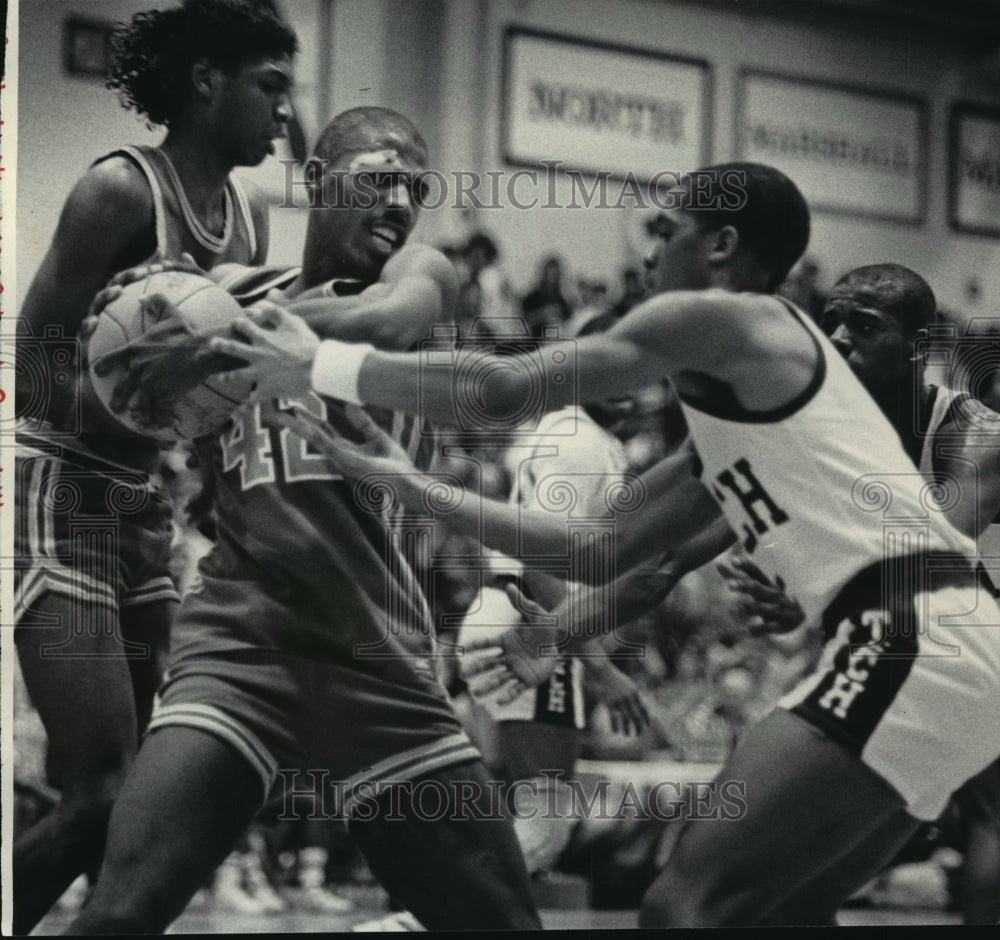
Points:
(557, 701)
(286, 708)
(911, 683)
(96, 532)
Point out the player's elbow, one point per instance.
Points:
(392, 336)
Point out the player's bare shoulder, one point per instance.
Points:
(114, 188)
(709, 323)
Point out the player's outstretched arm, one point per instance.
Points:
(665, 335)
(417, 289)
(525, 654)
(678, 514)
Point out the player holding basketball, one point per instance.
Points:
(309, 642)
(93, 598)
(790, 447)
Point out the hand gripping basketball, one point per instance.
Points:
(280, 348)
(151, 365)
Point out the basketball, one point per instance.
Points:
(205, 310)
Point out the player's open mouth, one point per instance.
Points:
(386, 238)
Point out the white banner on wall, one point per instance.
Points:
(975, 169)
(603, 108)
(849, 150)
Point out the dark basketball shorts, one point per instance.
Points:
(95, 532)
(979, 798)
(236, 673)
(910, 683)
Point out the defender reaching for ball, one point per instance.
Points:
(93, 599)
(790, 447)
(309, 642)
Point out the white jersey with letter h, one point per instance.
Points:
(821, 488)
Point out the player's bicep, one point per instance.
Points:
(607, 366)
(425, 263)
(103, 219)
(677, 508)
(711, 331)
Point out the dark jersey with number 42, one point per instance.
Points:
(290, 524)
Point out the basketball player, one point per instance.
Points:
(308, 643)
(788, 441)
(93, 602)
(876, 317)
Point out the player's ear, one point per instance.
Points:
(919, 345)
(203, 78)
(725, 243)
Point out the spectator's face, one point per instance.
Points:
(876, 346)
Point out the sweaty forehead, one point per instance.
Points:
(856, 293)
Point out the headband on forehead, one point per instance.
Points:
(388, 159)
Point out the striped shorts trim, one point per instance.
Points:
(51, 490)
(408, 765)
(218, 723)
(85, 590)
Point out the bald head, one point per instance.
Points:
(893, 289)
(368, 129)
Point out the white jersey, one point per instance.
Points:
(821, 488)
(947, 401)
(571, 467)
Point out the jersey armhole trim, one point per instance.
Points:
(138, 157)
(242, 201)
(737, 413)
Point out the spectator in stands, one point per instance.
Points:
(546, 305)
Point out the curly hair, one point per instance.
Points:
(152, 55)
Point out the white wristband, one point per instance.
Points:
(336, 369)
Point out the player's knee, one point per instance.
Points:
(661, 908)
(679, 899)
(87, 806)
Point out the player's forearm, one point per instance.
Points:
(589, 617)
(543, 588)
(596, 612)
(418, 383)
(394, 318)
(682, 519)
(477, 390)
(678, 508)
